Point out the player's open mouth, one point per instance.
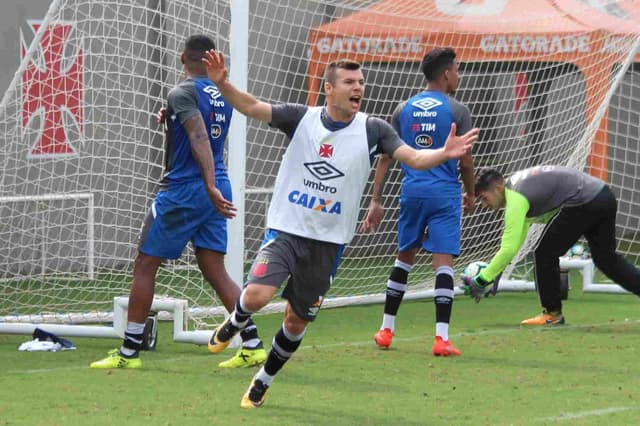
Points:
(355, 100)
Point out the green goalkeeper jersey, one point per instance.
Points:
(535, 195)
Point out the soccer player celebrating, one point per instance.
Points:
(571, 204)
(193, 204)
(430, 200)
(308, 224)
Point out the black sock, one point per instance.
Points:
(395, 290)
(443, 297)
(250, 332)
(281, 350)
(240, 317)
(131, 342)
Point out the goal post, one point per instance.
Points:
(548, 82)
(238, 74)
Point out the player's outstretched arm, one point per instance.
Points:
(454, 147)
(458, 146)
(243, 102)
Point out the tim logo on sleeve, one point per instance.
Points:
(52, 91)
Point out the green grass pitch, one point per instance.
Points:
(583, 373)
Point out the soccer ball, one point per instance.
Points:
(474, 268)
(577, 250)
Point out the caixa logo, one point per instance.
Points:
(423, 141)
(312, 202)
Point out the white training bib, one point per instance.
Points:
(321, 180)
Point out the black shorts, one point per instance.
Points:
(308, 265)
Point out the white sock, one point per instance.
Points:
(388, 321)
(264, 377)
(251, 343)
(135, 327)
(442, 330)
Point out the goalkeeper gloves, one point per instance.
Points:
(478, 288)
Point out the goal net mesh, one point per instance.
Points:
(548, 82)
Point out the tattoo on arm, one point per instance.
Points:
(201, 148)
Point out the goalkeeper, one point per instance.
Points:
(571, 204)
(194, 203)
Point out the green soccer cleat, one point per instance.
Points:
(245, 358)
(115, 360)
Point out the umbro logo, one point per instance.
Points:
(213, 92)
(426, 104)
(322, 170)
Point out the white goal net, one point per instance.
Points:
(548, 82)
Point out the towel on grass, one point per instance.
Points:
(43, 341)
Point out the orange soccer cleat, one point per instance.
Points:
(545, 318)
(383, 338)
(444, 348)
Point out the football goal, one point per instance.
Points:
(548, 82)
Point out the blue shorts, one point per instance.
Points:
(431, 223)
(184, 213)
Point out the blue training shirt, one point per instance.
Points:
(195, 95)
(424, 122)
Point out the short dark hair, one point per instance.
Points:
(486, 179)
(436, 61)
(196, 46)
(345, 64)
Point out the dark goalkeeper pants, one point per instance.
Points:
(596, 220)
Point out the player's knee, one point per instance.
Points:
(146, 265)
(219, 279)
(256, 296)
(294, 324)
